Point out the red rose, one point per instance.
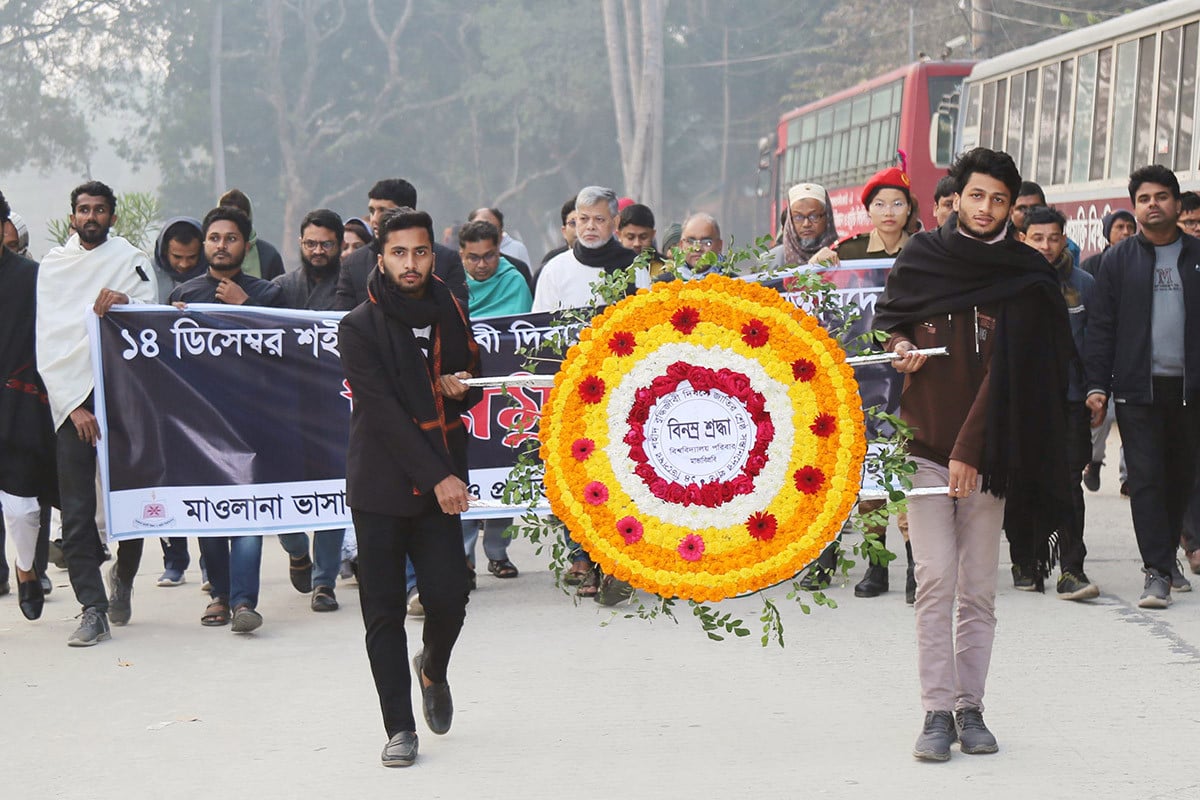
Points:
(742, 484)
(766, 430)
(710, 495)
(676, 493)
(755, 463)
(728, 492)
(635, 436)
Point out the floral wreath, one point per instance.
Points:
(703, 439)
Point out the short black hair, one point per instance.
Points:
(236, 198)
(95, 189)
(567, 208)
(1044, 215)
(324, 218)
(1154, 173)
(402, 219)
(1028, 188)
(477, 231)
(182, 231)
(993, 163)
(230, 214)
(636, 214)
(5, 210)
(398, 190)
(945, 188)
(1190, 201)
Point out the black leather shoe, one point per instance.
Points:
(401, 750)
(300, 570)
(874, 583)
(436, 702)
(323, 599)
(31, 598)
(820, 574)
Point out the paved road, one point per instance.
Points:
(1095, 700)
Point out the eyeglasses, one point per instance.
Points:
(811, 219)
(691, 241)
(894, 207)
(311, 246)
(1190, 224)
(485, 258)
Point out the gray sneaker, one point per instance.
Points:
(246, 619)
(1157, 593)
(119, 606)
(973, 735)
(1178, 582)
(936, 737)
(401, 750)
(93, 628)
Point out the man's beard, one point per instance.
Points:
(975, 233)
(96, 236)
(321, 273)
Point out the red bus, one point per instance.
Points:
(842, 140)
(1079, 112)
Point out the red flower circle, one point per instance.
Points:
(803, 370)
(761, 526)
(823, 425)
(630, 530)
(582, 448)
(685, 319)
(592, 389)
(755, 333)
(595, 493)
(809, 479)
(622, 343)
(691, 548)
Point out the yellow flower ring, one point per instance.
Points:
(703, 439)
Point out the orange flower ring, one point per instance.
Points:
(703, 439)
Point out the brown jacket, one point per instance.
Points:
(946, 400)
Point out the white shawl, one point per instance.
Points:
(69, 280)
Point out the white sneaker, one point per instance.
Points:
(415, 609)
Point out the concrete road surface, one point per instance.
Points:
(1089, 701)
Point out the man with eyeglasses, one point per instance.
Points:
(701, 234)
(1189, 215)
(314, 287)
(808, 226)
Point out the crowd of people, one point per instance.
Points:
(1013, 422)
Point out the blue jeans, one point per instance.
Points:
(495, 543)
(233, 564)
(327, 553)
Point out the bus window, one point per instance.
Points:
(1063, 137)
(1047, 122)
(1187, 100)
(970, 135)
(1085, 108)
(1000, 117)
(1029, 135)
(987, 114)
(1100, 126)
(1126, 83)
(1168, 82)
(1143, 130)
(1016, 105)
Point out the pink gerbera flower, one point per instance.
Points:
(691, 548)
(595, 493)
(582, 448)
(630, 529)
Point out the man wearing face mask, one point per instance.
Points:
(566, 280)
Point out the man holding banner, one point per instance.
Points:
(90, 266)
(405, 352)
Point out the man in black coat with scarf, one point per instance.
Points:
(405, 352)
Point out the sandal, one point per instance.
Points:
(577, 572)
(216, 614)
(590, 584)
(503, 568)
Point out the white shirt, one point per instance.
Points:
(566, 283)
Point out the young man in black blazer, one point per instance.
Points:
(405, 352)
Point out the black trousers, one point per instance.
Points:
(434, 543)
(1161, 443)
(81, 538)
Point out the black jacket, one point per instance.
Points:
(391, 466)
(1118, 354)
(356, 268)
(204, 290)
(300, 291)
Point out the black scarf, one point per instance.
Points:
(1024, 457)
(415, 376)
(610, 256)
